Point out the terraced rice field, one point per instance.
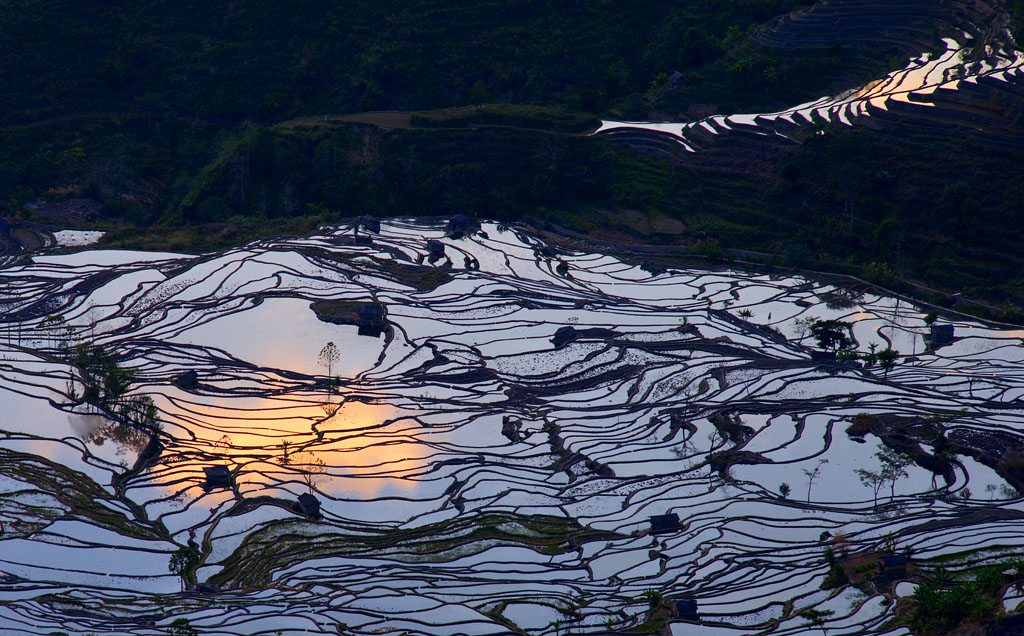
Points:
(476, 473)
(957, 89)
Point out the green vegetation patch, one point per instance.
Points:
(422, 278)
(283, 543)
(208, 237)
(268, 62)
(335, 310)
(163, 120)
(419, 277)
(57, 491)
(944, 601)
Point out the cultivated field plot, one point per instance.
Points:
(487, 437)
(954, 90)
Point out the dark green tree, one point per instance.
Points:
(182, 562)
(871, 479)
(182, 627)
(832, 334)
(887, 359)
(894, 466)
(817, 618)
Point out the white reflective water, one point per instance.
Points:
(914, 83)
(470, 473)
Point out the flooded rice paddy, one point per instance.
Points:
(924, 78)
(476, 473)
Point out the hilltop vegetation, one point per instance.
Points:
(128, 103)
(263, 61)
(167, 115)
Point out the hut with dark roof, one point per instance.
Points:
(435, 250)
(563, 336)
(894, 566)
(685, 608)
(459, 225)
(663, 524)
(371, 320)
(677, 81)
(217, 476)
(188, 379)
(941, 335)
(309, 505)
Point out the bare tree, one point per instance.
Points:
(894, 466)
(328, 356)
(289, 204)
(312, 468)
(92, 317)
(802, 325)
(713, 437)
(812, 475)
(872, 480)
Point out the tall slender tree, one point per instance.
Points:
(812, 475)
(328, 357)
(894, 466)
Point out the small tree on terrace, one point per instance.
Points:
(887, 359)
(812, 475)
(817, 618)
(312, 468)
(872, 480)
(894, 466)
(182, 561)
(871, 357)
(842, 544)
(328, 357)
(832, 334)
(182, 627)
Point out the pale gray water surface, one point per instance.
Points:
(471, 474)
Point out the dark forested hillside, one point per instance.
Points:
(165, 114)
(266, 61)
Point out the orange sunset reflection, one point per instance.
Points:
(346, 447)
